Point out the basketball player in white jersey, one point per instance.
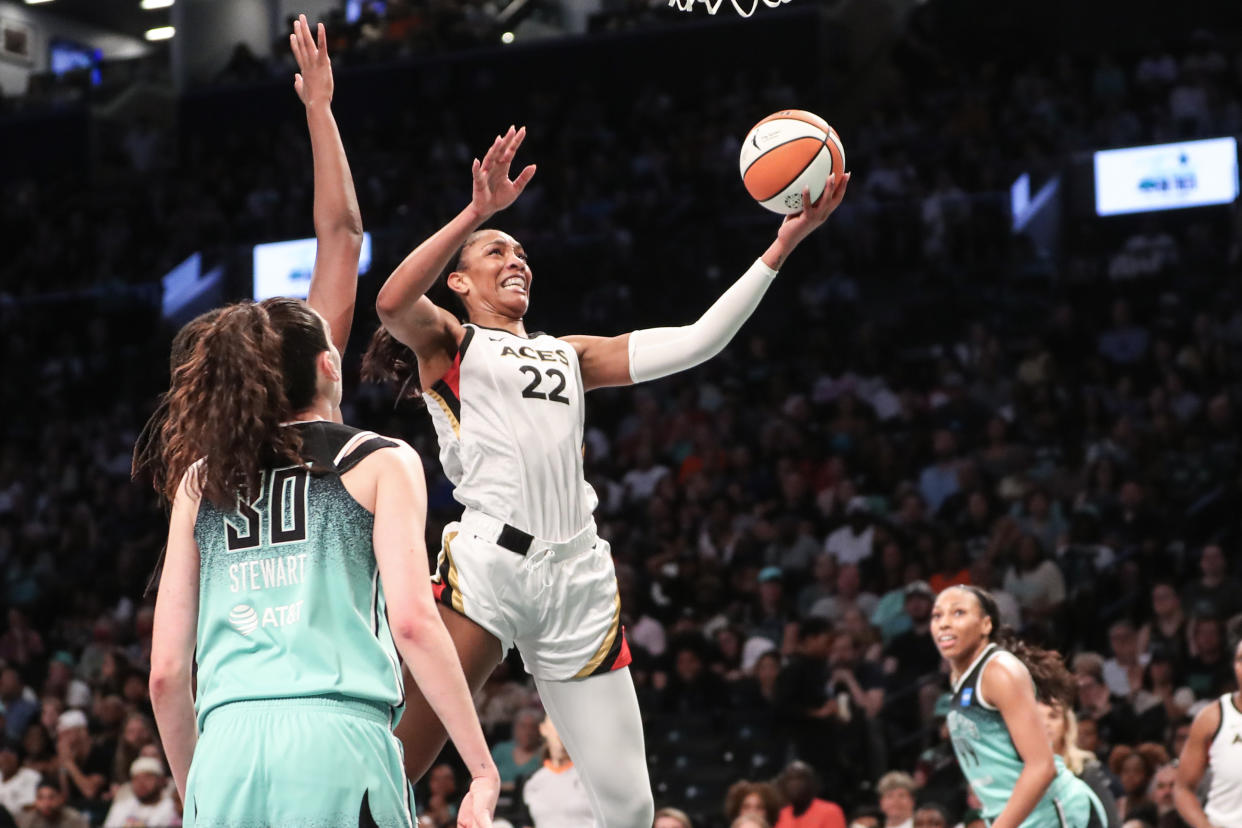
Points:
(524, 566)
(1215, 744)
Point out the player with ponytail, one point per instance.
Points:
(524, 566)
(995, 723)
(295, 579)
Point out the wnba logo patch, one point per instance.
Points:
(244, 619)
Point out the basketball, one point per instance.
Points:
(785, 152)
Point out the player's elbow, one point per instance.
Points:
(345, 227)
(1044, 770)
(166, 678)
(387, 304)
(414, 622)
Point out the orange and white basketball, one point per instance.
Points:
(785, 152)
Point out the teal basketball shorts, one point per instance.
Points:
(319, 762)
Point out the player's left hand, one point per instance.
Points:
(479, 804)
(314, 82)
(798, 226)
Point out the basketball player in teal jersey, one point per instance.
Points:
(995, 723)
(524, 566)
(1215, 743)
(295, 577)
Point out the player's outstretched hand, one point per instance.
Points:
(797, 227)
(479, 804)
(314, 82)
(493, 189)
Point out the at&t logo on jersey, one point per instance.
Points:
(245, 619)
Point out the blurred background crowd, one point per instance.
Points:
(925, 398)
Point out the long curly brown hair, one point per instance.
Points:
(1053, 682)
(249, 370)
(148, 449)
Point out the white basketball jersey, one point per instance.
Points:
(509, 418)
(1224, 799)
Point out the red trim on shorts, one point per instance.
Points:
(623, 658)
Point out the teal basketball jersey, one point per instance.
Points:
(991, 764)
(290, 602)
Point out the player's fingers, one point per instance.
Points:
(807, 204)
(306, 47)
(323, 41)
(490, 156)
(304, 35)
(524, 178)
(295, 44)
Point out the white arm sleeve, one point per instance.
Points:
(658, 352)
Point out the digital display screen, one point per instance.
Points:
(67, 56)
(284, 268)
(1166, 176)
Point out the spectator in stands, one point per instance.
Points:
(770, 611)
(691, 686)
(1209, 669)
(671, 818)
(1135, 767)
(824, 583)
(136, 733)
(442, 796)
(1159, 700)
(805, 810)
(896, 790)
(62, 684)
(1161, 795)
(50, 810)
(20, 644)
(145, 800)
(861, 680)
(931, 815)
(1113, 721)
(852, 543)
(40, 750)
(939, 481)
(850, 594)
(18, 784)
(522, 755)
(1061, 724)
(554, 795)
(750, 821)
(1123, 673)
(20, 705)
(913, 655)
(84, 769)
(868, 816)
(1166, 631)
(816, 714)
(1215, 593)
(1036, 582)
(757, 689)
(754, 799)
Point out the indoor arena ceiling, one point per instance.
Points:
(124, 16)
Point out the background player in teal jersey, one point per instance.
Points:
(296, 597)
(995, 723)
